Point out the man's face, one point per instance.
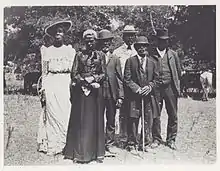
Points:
(141, 49)
(59, 34)
(162, 44)
(129, 38)
(105, 45)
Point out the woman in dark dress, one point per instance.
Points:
(85, 136)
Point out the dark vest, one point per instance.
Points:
(165, 72)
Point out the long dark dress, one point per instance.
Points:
(85, 136)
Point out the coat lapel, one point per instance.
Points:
(148, 68)
(171, 60)
(109, 59)
(138, 68)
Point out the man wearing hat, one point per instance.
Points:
(140, 77)
(113, 85)
(124, 52)
(169, 88)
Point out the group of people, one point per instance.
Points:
(80, 88)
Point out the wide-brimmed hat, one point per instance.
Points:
(51, 29)
(129, 29)
(105, 34)
(162, 33)
(141, 40)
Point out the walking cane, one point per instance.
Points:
(142, 118)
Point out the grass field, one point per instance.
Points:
(196, 140)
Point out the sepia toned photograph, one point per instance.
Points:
(118, 84)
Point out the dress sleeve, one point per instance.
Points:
(75, 71)
(72, 54)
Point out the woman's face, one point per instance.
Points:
(90, 43)
(59, 34)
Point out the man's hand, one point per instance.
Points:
(139, 91)
(146, 90)
(89, 79)
(119, 103)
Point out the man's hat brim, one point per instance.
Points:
(127, 31)
(162, 37)
(142, 43)
(65, 24)
(111, 37)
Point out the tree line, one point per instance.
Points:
(192, 28)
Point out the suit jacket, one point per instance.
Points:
(133, 81)
(114, 74)
(174, 64)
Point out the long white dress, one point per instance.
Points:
(56, 67)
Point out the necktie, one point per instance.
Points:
(142, 62)
(142, 72)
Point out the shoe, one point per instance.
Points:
(99, 160)
(140, 148)
(121, 145)
(155, 144)
(171, 145)
(112, 149)
(132, 149)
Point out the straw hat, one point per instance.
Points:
(66, 25)
(129, 29)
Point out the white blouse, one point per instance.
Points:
(59, 59)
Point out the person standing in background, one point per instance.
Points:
(125, 51)
(113, 86)
(168, 89)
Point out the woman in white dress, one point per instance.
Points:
(56, 66)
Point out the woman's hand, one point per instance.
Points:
(119, 103)
(89, 79)
(95, 85)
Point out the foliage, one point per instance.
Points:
(31, 22)
(192, 28)
(195, 28)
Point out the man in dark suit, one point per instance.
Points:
(140, 77)
(113, 85)
(169, 88)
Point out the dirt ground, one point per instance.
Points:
(196, 139)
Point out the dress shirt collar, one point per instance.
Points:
(161, 53)
(139, 57)
(144, 62)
